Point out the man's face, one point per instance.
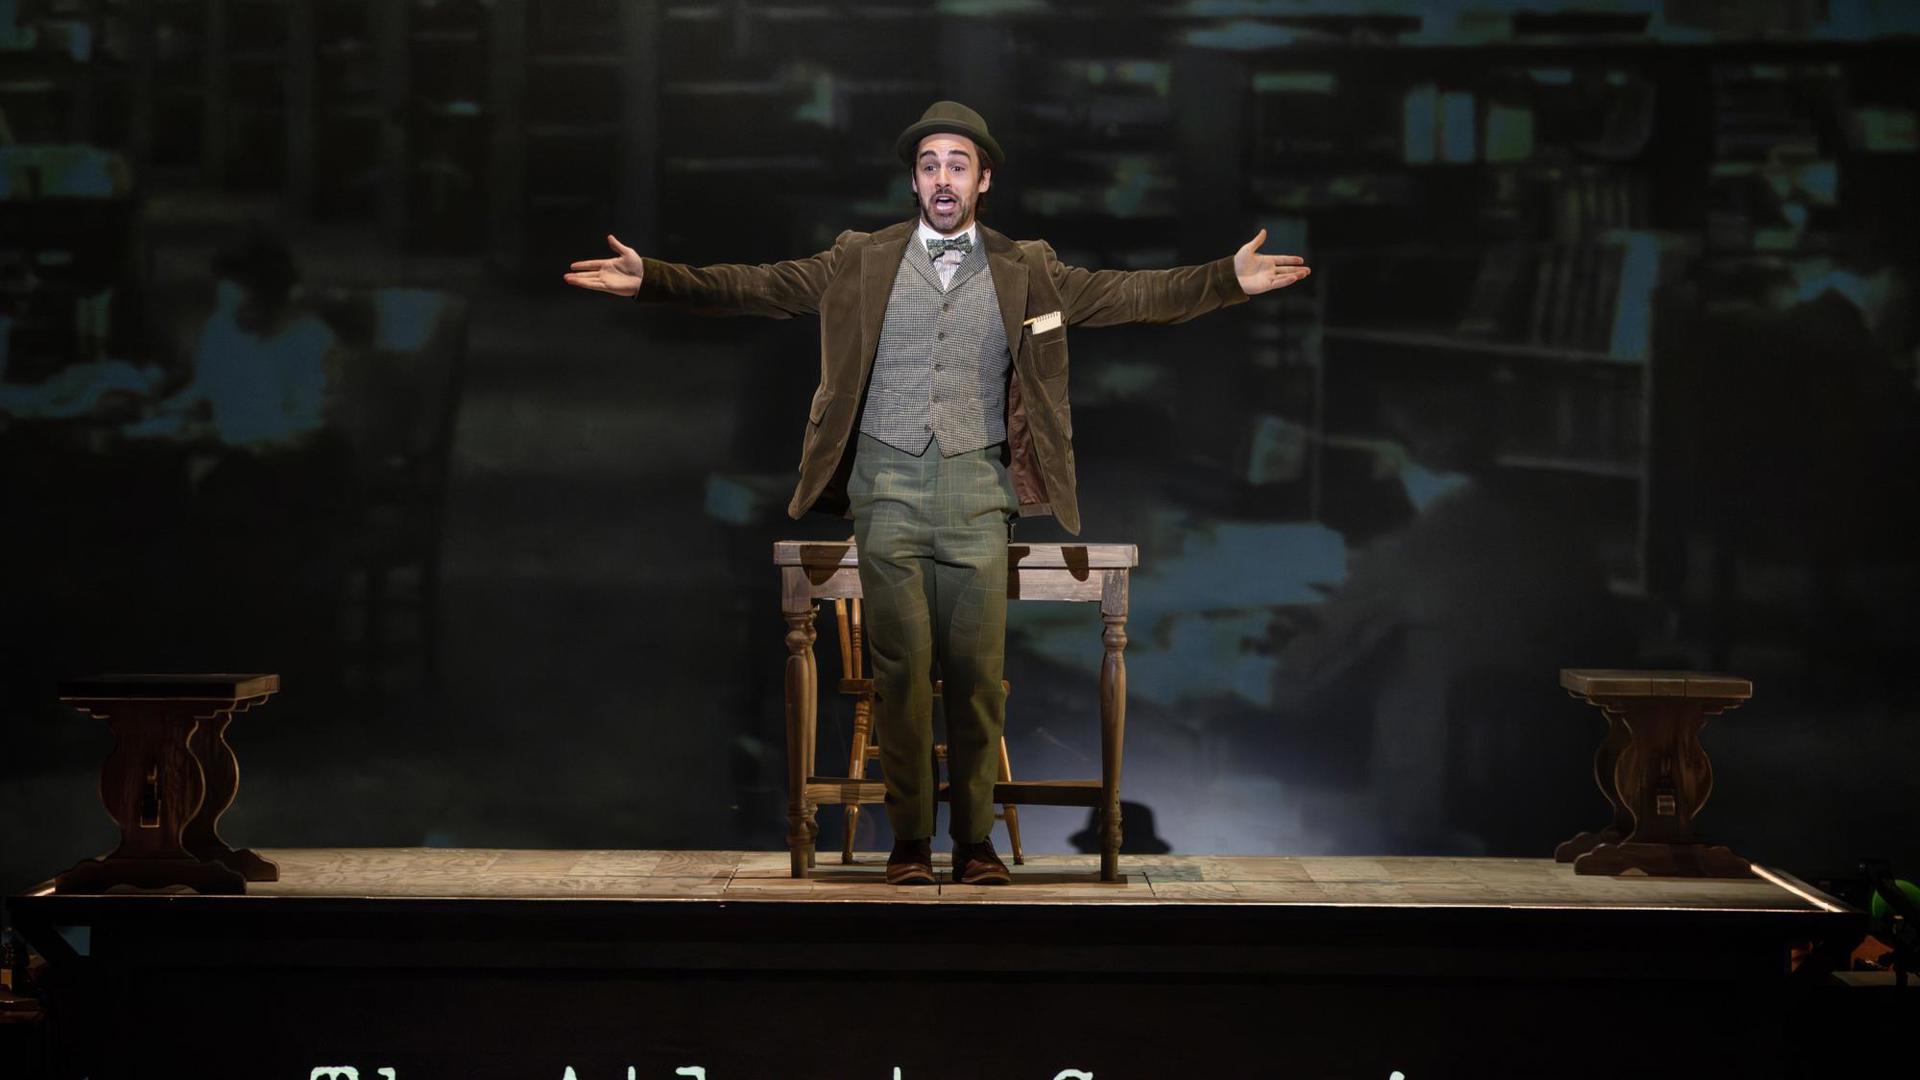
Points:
(948, 179)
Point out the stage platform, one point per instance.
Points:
(441, 962)
(453, 873)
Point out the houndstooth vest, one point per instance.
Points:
(941, 367)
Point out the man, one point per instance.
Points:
(261, 365)
(943, 345)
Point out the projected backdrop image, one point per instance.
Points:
(1607, 360)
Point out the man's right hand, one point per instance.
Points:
(619, 275)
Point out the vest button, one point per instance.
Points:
(942, 335)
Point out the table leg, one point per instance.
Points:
(221, 769)
(1604, 760)
(810, 738)
(1663, 778)
(152, 787)
(801, 705)
(1113, 719)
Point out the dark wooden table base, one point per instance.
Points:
(169, 778)
(1653, 772)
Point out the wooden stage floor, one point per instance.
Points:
(1051, 879)
(448, 962)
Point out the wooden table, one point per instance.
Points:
(1092, 573)
(1653, 770)
(168, 779)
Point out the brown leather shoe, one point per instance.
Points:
(976, 864)
(911, 862)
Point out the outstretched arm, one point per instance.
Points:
(778, 290)
(1108, 297)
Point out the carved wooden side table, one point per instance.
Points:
(168, 779)
(1653, 771)
(1094, 573)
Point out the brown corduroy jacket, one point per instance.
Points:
(848, 286)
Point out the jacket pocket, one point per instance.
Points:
(1049, 351)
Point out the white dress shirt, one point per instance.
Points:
(949, 261)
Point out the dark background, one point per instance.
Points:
(1607, 360)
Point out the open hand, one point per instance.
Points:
(1262, 273)
(619, 275)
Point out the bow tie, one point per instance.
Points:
(939, 246)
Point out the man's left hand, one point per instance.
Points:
(1263, 273)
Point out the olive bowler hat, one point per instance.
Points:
(949, 118)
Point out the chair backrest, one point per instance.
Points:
(396, 394)
(853, 653)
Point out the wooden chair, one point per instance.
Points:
(866, 745)
(398, 395)
(811, 571)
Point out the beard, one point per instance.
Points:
(948, 221)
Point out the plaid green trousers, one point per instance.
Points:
(932, 536)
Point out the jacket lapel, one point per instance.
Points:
(975, 261)
(877, 270)
(1009, 283)
(916, 256)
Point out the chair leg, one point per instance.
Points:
(857, 769)
(852, 815)
(1009, 812)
